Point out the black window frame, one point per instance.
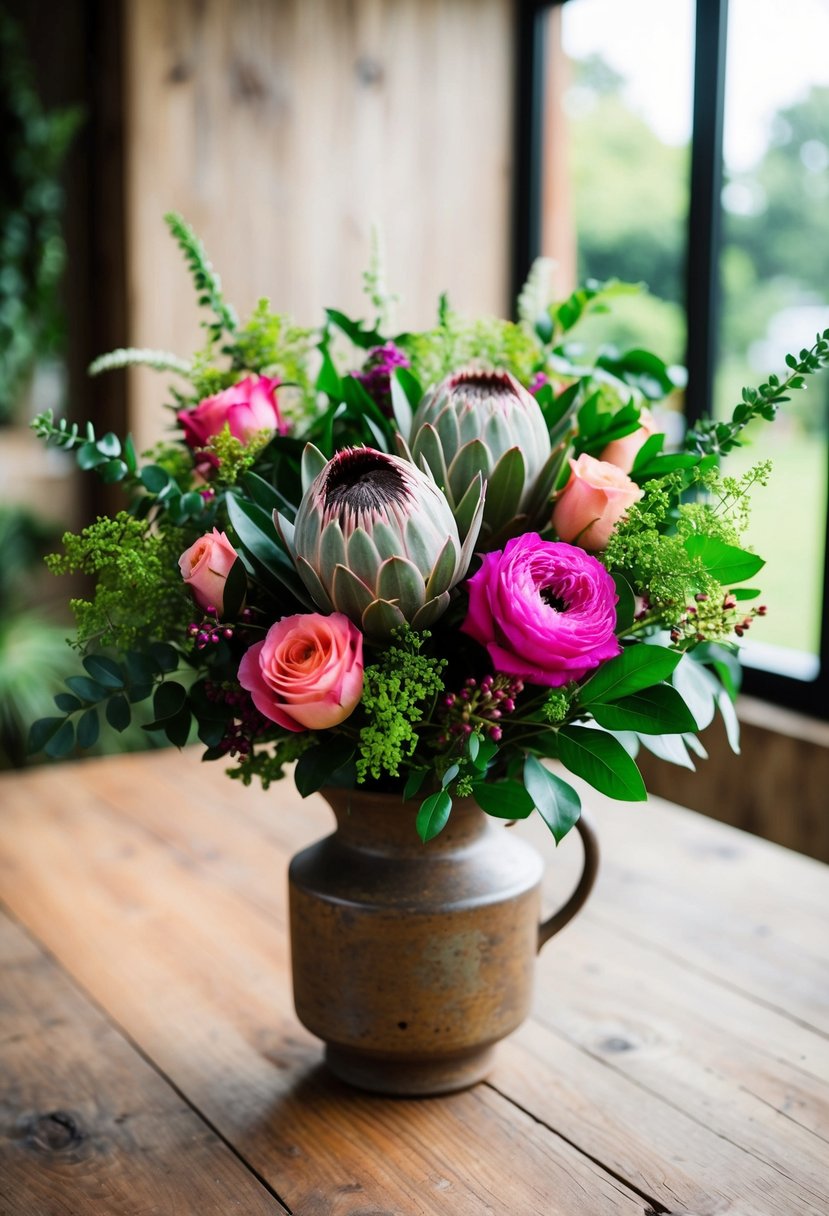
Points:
(703, 249)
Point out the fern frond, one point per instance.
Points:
(134, 356)
(207, 283)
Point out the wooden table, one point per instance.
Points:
(677, 1059)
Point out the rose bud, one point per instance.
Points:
(205, 567)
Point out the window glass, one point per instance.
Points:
(616, 160)
(775, 296)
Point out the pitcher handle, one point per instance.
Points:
(590, 867)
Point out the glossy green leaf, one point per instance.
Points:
(433, 815)
(557, 803)
(154, 478)
(66, 702)
(626, 604)
(651, 711)
(602, 762)
(235, 590)
(414, 782)
(177, 728)
(317, 765)
(62, 742)
(165, 655)
(41, 731)
(638, 666)
(168, 700)
(106, 671)
(88, 729)
(118, 713)
(503, 799)
(112, 471)
(88, 690)
(726, 563)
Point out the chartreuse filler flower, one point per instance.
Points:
(420, 562)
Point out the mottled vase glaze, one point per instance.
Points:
(411, 961)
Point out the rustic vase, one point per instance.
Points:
(411, 961)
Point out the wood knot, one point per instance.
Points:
(248, 83)
(53, 1133)
(369, 71)
(615, 1043)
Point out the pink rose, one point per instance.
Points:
(248, 408)
(593, 501)
(205, 567)
(545, 611)
(308, 672)
(622, 452)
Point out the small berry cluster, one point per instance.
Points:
(705, 619)
(209, 630)
(246, 725)
(479, 707)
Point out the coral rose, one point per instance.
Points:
(248, 408)
(592, 503)
(622, 452)
(205, 567)
(545, 611)
(308, 672)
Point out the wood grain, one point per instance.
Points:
(86, 1125)
(132, 918)
(284, 131)
(696, 1092)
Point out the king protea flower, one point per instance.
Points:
(375, 539)
(484, 423)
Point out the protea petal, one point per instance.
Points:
(313, 462)
(363, 556)
(444, 571)
(431, 611)
(402, 583)
(351, 595)
(505, 487)
(468, 506)
(309, 577)
(380, 618)
(473, 458)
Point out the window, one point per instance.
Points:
(703, 143)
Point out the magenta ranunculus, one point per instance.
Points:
(248, 408)
(545, 611)
(308, 672)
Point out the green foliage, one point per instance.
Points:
(398, 689)
(207, 283)
(133, 356)
(106, 454)
(139, 592)
(234, 456)
(458, 340)
(32, 251)
(269, 342)
(268, 766)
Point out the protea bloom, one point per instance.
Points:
(486, 423)
(375, 539)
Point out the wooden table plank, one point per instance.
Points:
(197, 976)
(87, 1125)
(220, 838)
(687, 1040)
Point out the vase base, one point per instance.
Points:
(410, 1078)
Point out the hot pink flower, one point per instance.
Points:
(593, 501)
(205, 567)
(545, 611)
(308, 672)
(248, 408)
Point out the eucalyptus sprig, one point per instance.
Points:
(710, 437)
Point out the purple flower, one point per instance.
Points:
(375, 375)
(544, 610)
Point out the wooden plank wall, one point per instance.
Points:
(282, 129)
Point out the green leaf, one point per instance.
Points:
(88, 456)
(433, 815)
(67, 703)
(732, 722)
(602, 762)
(62, 742)
(105, 671)
(235, 590)
(88, 690)
(651, 711)
(129, 454)
(177, 728)
(165, 655)
(671, 748)
(557, 803)
(118, 712)
(364, 338)
(89, 727)
(450, 775)
(726, 563)
(112, 471)
(154, 478)
(41, 731)
(503, 799)
(316, 765)
(698, 688)
(626, 605)
(414, 782)
(638, 666)
(109, 444)
(168, 700)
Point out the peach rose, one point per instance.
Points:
(591, 504)
(248, 408)
(622, 452)
(205, 567)
(308, 672)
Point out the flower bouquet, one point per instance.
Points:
(421, 562)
